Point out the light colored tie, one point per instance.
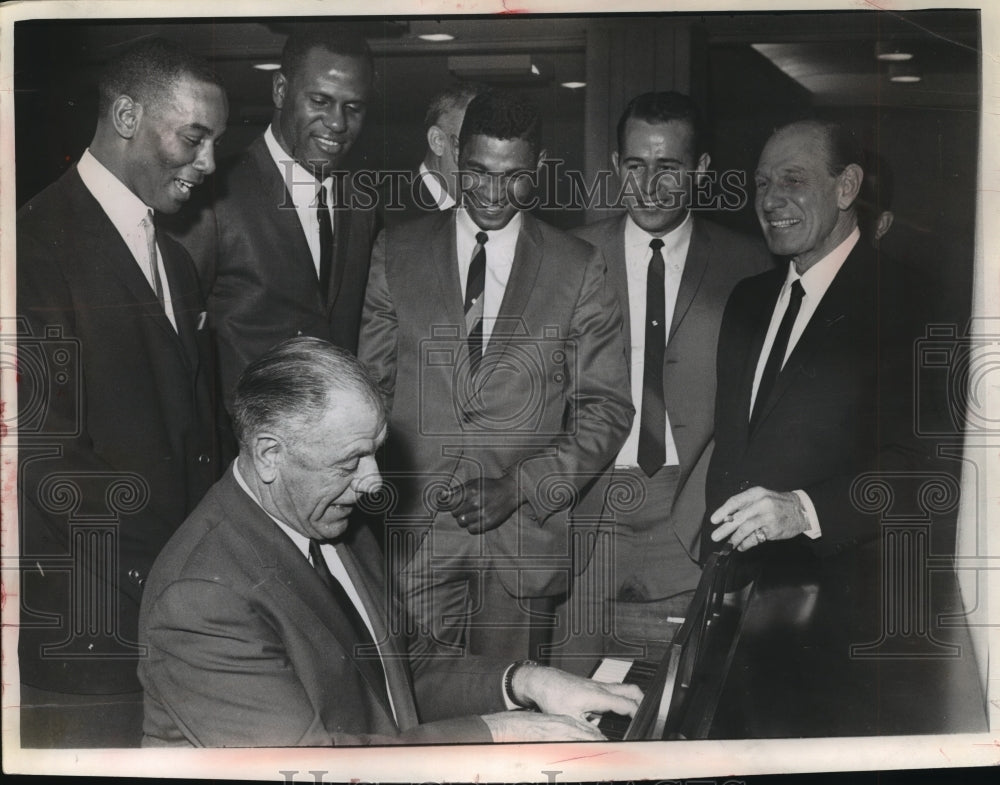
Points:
(154, 267)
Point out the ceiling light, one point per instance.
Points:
(574, 85)
(905, 73)
(892, 52)
(499, 68)
(436, 37)
(267, 66)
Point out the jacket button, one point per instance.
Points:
(204, 458)
(744, 485)
(134, 575)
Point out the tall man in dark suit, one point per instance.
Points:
(511, 396)
(435, 185)
(116, 433)
(659, 252)
(275, 261)
(266, 615)
(814, 361)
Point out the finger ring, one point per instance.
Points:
(761, 537)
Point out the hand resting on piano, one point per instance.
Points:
(566, 703)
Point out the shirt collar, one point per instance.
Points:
(506, 236)
(300, 540)
(817, 279)
(123, 207)
(302, 186)
(433, 185)
(637, 239)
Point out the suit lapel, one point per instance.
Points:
(306, 597)
(523, 273)
(183, 295)
(833, 310)
(341, 242)
(277, 202)
(445, 260)
(695, 265)
(108, 251)
(614, 257)
(757, 324)
(394, 657)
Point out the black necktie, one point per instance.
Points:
(325, 242)
(364, 637)
(653, 423)
(475, 285)
(777, 357)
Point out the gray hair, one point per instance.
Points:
(289, 387)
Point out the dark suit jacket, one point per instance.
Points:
(247, 647)
(549, 401)
(717, 259)
(840, 406)
(405, 199)
(115, 432)
(256, 268)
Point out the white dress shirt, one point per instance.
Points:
(441, 197)
(637, 256)
(815, 282)
(304, 191)
(333, 561)
(499, 260)
(126, 212)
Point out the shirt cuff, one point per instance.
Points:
(811, 517)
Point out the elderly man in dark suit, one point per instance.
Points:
(510, 397)
(814, 361)
(266, 617)
(671, 271)
(283, 249)
(116, 427)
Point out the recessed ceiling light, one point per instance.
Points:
(436, 37)
(574, 85)
(903, 73)
(267, 66)
(892, 52)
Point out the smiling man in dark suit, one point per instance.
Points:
(814, 361)
(511, 396)
(695, 263)
(283, 249)
(119, 448)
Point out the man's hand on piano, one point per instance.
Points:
(511, 726)
(557, 692)
(758, 515)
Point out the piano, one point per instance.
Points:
(681, 690)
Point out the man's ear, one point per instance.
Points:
(279, 84)
(849, 185)
(437, 140)
(267, 452)
(614, 160)
(126, 115)
(542, 155)
(704, 161)
(884, 223)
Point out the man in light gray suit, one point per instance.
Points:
(672, 273)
